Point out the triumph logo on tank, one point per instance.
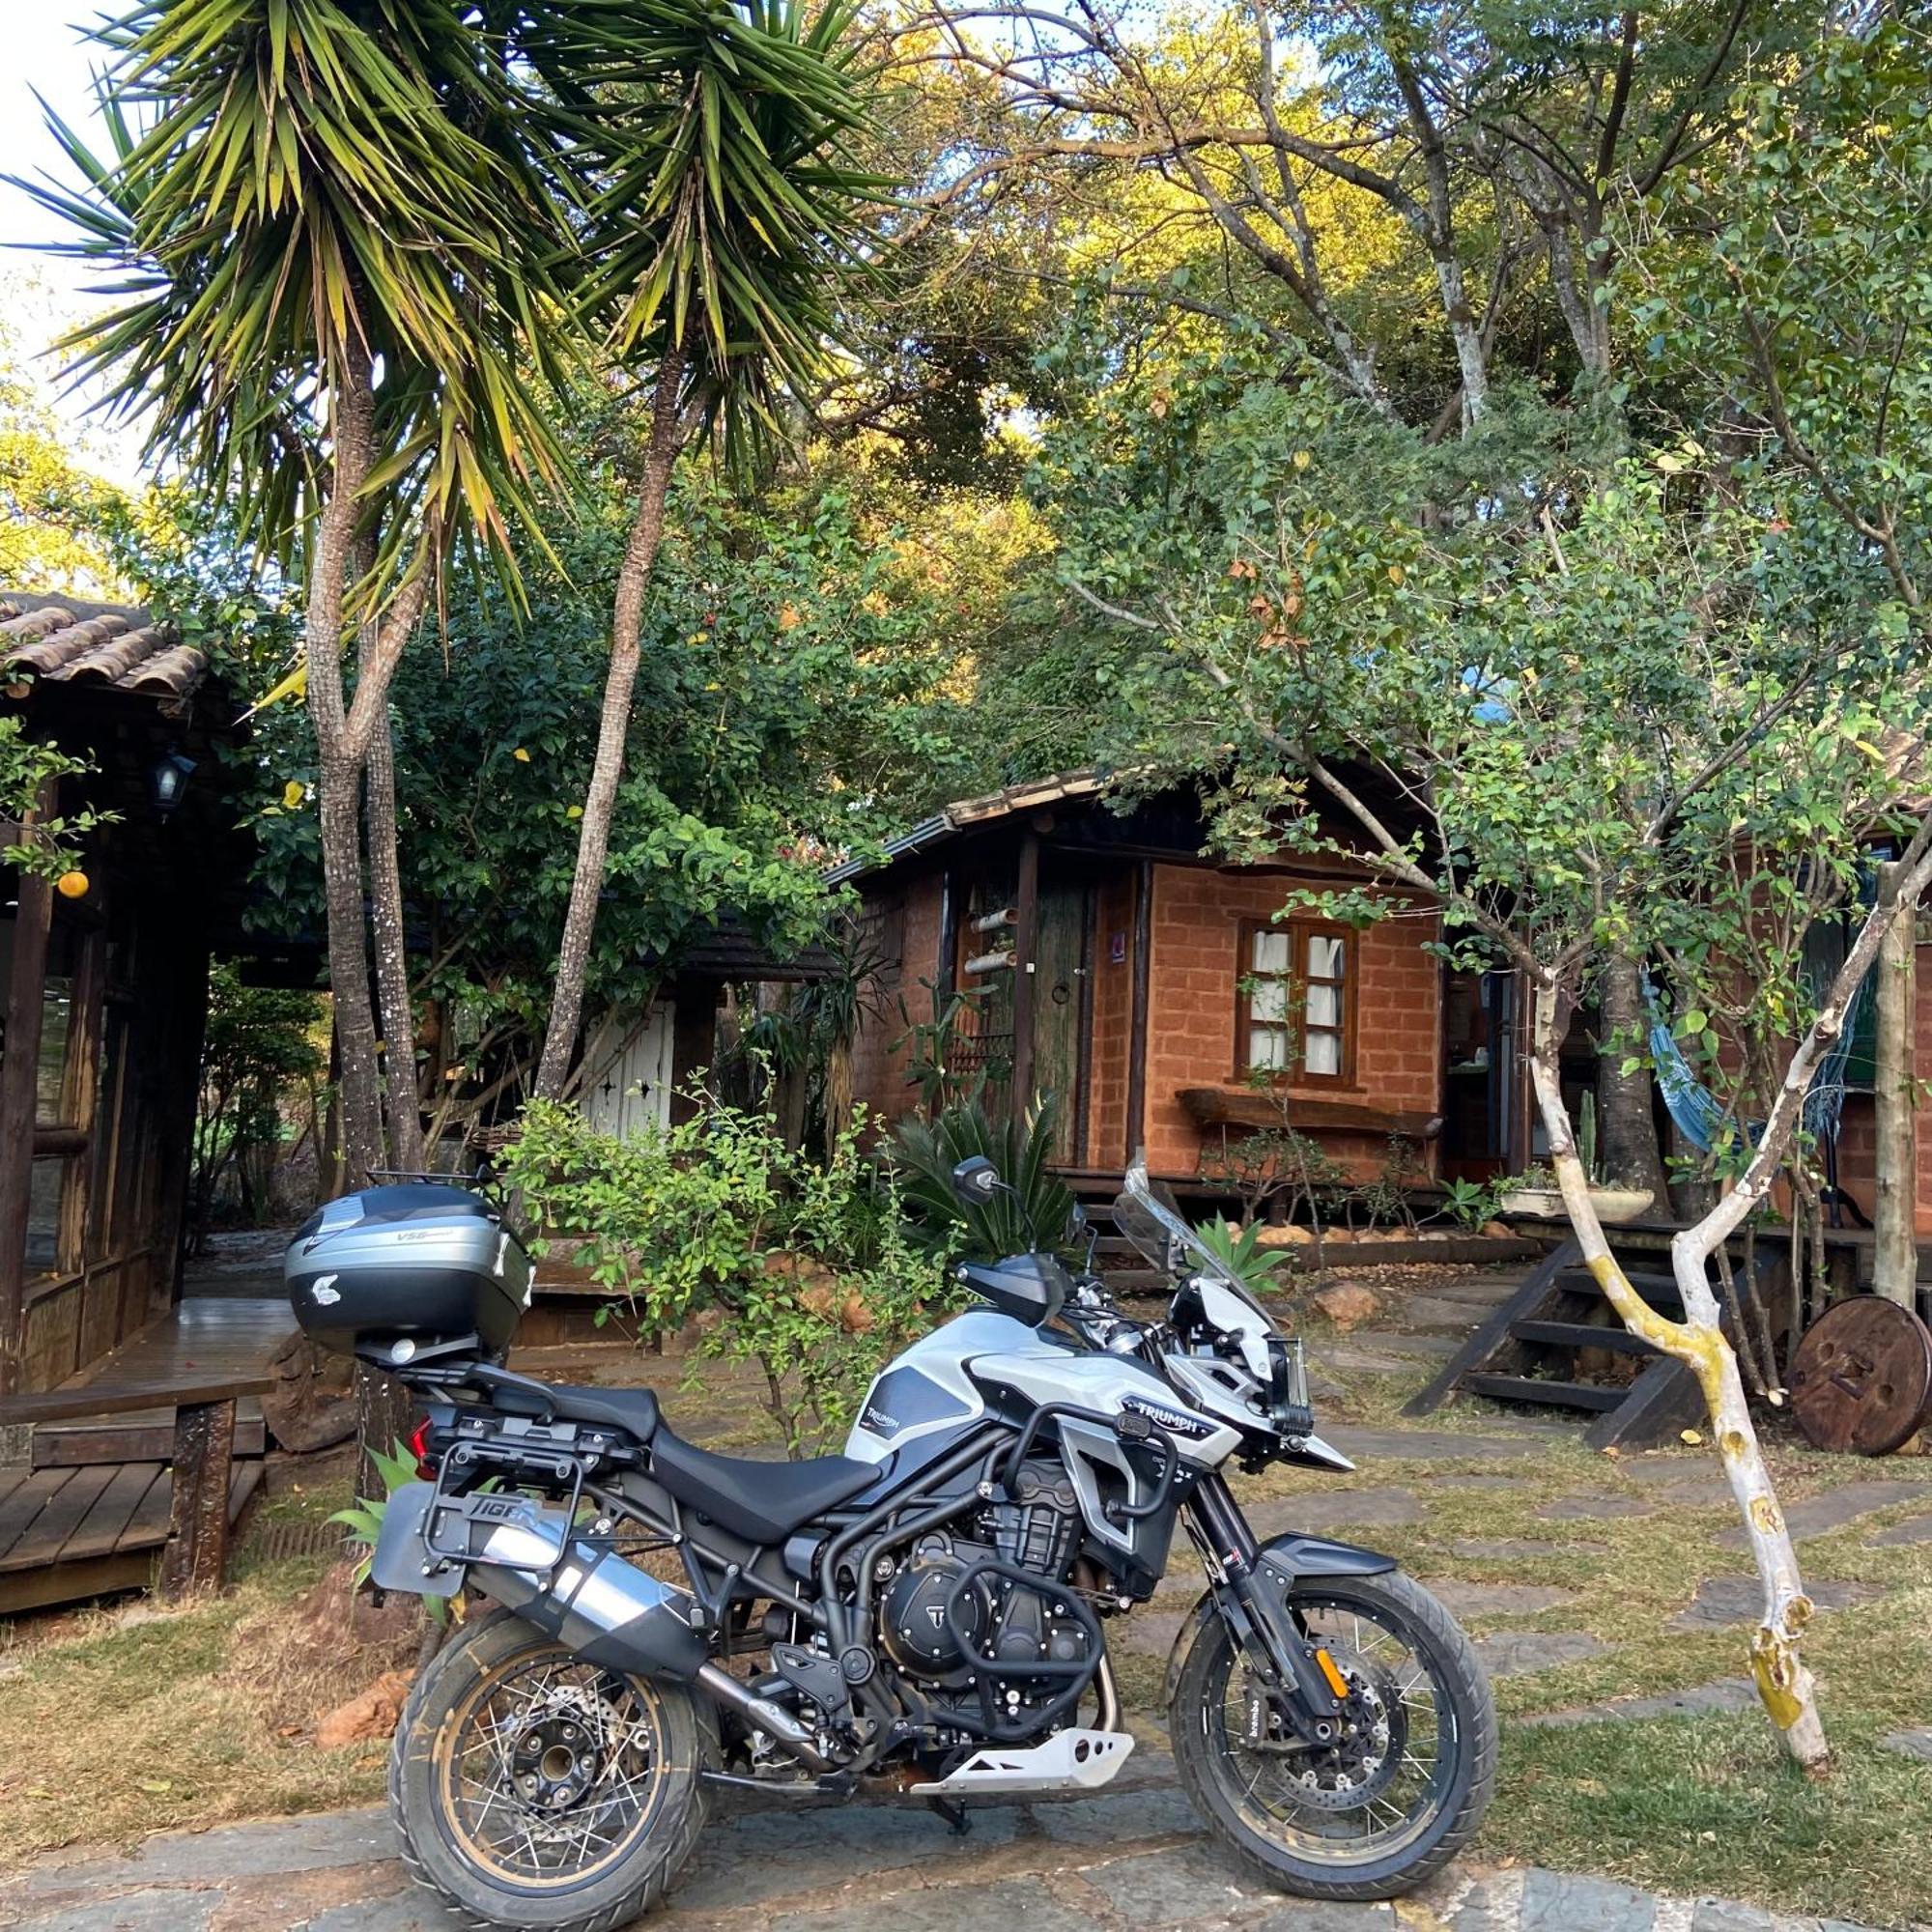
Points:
(1176, 1421)
(878, 1421)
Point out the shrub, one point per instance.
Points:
(805, 1265)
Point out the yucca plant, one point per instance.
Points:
(722, 244)
(1038, 1213)
(1256, 1267)
(332, 230)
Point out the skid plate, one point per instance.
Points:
(1068, 1761)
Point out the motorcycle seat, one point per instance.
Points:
(633, 1410)
(763, 1502)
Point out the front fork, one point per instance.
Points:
(1250, 1592)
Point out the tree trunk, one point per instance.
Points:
(1628, 1150)
(392, 968)
(339, 784)
(1894, 1094)
(384, 1414)
(1783, 1683)
(358, 1088)
(600, 799)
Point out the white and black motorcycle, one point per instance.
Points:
(926, 1614)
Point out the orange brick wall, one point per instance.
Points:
(879, 1071)
(1197, 917)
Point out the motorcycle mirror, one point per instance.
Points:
(974, 1181)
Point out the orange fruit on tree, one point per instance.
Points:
(71, 884)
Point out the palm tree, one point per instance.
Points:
(722, 239)
(335, 229)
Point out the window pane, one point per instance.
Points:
(1269, 1000)
(1271, 953)
(1325, 1053)
(1267, 1047)
(56, 1026)
(1324, 1006)
(1324, 956)
(46, 1186)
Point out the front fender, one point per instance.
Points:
(1283, 1560)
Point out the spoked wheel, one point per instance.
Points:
(532, 1789)
(1402, 1787)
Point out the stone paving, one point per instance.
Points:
(1132, 1859)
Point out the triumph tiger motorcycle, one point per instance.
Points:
(927, 1613)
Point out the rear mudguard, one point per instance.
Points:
(1280, 1564)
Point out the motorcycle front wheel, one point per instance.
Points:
(532, 1789)
(1404, 1787)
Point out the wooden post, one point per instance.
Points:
(197, 1554)
(1894, 1096)
(1137, 1023)
(19, 1070)
(1025, 944)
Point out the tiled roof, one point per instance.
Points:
(956, 817)
(110, 645)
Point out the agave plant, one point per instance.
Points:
(1242, 1255)
(1037, 1213)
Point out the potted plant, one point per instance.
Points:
(1535, 1194)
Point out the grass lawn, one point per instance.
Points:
(179, 1719)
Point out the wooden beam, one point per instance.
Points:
(127, 1399)
(19, 1068)
(1137, 1024)
(196, 1552)
(1026, 950)
(1894, 1109)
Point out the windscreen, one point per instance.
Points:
(1148, 1214)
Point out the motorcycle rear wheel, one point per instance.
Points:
(1376, 1817)
(532, 1789)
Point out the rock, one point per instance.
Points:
(1593, 1509)
(1463, 1599)
(1291, 1235)
(1511, 1549)
(1833, 1509)
(1520, 1652)
(1721, 1600)
(1347, 1304)
(1727, 1694)
(1910, 1744)
(855, 1317)
(368, 1718)
(1497, 1230)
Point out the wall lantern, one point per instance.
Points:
(168, 779)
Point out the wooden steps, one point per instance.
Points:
(1535, 1350)
(148, 1437)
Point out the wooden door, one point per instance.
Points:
(1063, 1012)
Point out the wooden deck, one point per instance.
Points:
(87, 1500)
(196, 1341)
(68, 1533)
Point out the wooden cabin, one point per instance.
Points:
(103, 986)
(1153, 991)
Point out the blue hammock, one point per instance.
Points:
(1701, 1117)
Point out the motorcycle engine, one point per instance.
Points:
(1018, 1622)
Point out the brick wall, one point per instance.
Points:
(1196, 964)
(878, 1071)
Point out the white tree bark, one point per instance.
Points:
(1783, 1683)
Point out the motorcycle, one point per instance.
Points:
(926, 1614)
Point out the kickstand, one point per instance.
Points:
(953, 1814)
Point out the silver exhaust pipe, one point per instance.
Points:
(608, 1612)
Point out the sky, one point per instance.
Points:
(45, 293)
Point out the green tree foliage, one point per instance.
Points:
(262, 1058)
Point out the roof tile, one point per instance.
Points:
(118, 649)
